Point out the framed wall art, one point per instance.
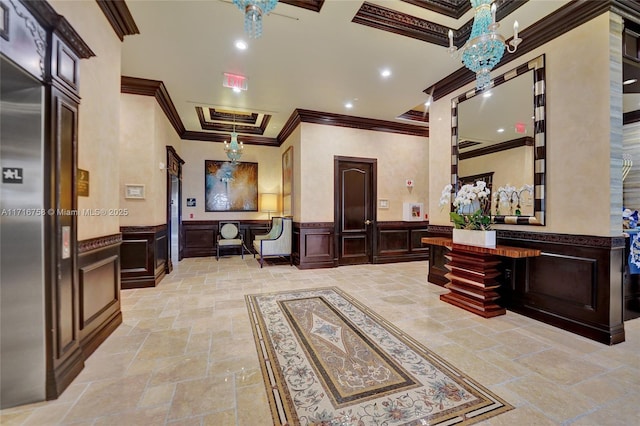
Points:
(230, 187)
(287, 182)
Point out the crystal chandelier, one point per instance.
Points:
(253, 11)
(233, 149)
(485, 46)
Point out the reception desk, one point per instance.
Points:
(474, 274)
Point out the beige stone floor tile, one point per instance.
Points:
(51, 416)
(222, 418)
(144, 416)
(521, 416)
(470, 339)
(469, 363)
(557, 402)
(108, 397)
(186, 367)
(158, 395)
(202, 396)
(105, 366)
(560, 367)
(189, 342)
(165, 343)
(623, 412)
(516, 344)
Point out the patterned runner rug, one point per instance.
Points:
(329, 360)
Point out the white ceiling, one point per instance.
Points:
(305, 59)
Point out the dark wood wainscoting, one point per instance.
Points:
(400, 242)
(99, 279)
(199, 236)
(313, 245)
(143, 255)
(437, 270)
(576, 284)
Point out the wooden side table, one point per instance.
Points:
(474, 272)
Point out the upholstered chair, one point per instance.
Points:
(277, 242)
(229, 236)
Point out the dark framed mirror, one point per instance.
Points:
(501, 131)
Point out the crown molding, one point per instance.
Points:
(157, 89)
(51, 21)
(314, 5)
(452, 8)
(339, 120)
(119, 17)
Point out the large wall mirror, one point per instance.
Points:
(500, 132)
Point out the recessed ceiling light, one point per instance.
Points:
(385, 73)
(630, 81)
(348, 105)
(237, 89)
(427, 103)
(500, 130)
(241, 45)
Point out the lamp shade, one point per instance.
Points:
(269, 202)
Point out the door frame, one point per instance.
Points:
(174, 168)
(337, 204)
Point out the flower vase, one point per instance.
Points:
(472, 237)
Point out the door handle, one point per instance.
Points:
(367, 222)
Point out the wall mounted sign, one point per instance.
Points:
(12, 175)
(134, 191)
(83, 183)
(191, 202)
(235, 81)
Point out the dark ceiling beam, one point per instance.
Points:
(222, 137)
(119, 17)
(390, 20)
(314, 5)
(565, 19)
(452, 8)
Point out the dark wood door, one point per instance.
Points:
(355, 190)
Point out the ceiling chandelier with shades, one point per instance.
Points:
(234, 148)
(253, 11)
(485, 46)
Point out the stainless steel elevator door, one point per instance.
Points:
(22, 292)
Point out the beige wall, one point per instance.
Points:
(98, 128)
(194, 153)
(578, 133)
(145, 133)
(400, 157)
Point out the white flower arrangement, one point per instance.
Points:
(512, 196)
(470, 203)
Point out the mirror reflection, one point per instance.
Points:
(499, 139)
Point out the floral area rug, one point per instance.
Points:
(329, 360)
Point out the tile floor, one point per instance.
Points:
(185, 354)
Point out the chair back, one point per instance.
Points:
(276, 228)
(229, 230)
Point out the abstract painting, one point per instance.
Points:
(230, 187)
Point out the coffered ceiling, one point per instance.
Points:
(314, 57)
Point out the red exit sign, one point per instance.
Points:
(234, 81)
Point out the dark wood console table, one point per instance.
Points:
(474, 272)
